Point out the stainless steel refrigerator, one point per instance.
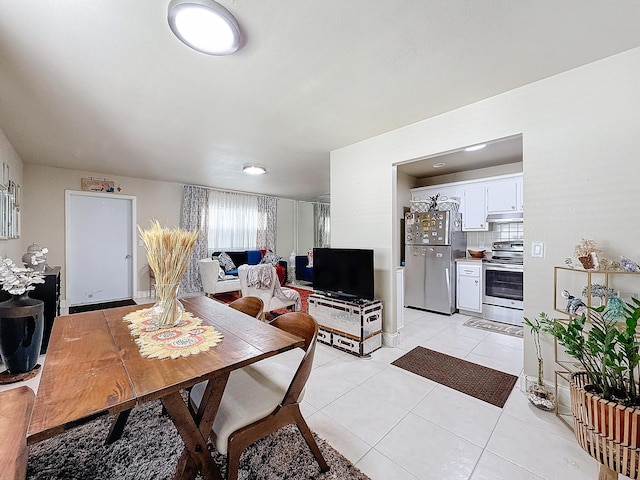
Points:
(433, 242)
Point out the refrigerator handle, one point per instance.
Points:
(446, 272)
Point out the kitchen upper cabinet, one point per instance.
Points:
(504, 195)
(474, 208)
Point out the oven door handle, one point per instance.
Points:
(504, 267)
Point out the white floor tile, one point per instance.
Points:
(467, 417)
(368, 416)
(536, 450)
(396, 386)
(339, 437)
(324, 386)
(428, 451)
(378, 467)
(493, 467)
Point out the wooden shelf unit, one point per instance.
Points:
(569, 365)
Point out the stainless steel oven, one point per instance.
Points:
(503, 299)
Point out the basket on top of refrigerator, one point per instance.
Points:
(435, 204)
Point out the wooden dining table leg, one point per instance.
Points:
(195, 431)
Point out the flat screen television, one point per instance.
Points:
(345, 273)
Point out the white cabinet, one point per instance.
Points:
(474, 208)
(469, 279)
(502, 195)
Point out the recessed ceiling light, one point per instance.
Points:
(205, 26)
(254, 169)
(438, 165)
(473, 148)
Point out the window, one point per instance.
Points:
(233, 221)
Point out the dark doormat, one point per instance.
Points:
(101, 306)
(484, 383)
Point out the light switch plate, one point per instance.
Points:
(537, 249)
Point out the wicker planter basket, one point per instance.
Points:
(607, 431)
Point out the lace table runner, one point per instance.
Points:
(186, 338)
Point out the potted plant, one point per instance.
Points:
(605, 404)
(537, 393)
(21, 318)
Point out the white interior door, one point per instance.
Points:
(100, 247)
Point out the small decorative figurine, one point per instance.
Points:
(575, 306)
(628, 265)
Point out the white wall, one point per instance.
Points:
(13, 248)
(43, 212)
(43, 217)
(580, 149)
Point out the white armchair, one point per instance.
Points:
(211, 283)
(262, 281)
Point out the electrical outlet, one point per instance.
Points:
(537, 249)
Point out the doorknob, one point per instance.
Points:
(128, 257)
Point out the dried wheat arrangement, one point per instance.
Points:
(168, 254)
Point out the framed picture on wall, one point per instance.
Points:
(97, 185)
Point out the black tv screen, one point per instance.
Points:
(344, 272)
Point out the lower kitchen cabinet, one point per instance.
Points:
(469, 286)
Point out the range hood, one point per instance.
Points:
(515, 217)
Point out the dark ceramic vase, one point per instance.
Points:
(21, 326)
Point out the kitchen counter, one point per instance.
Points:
(469, 259)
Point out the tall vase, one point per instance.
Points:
(21, 326)
(168, 310)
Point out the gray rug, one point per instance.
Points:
(150, 447)
(496, 327)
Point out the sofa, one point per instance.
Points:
(211, 281)
(252, 257)
(303, 272)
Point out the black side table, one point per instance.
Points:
(49, 293)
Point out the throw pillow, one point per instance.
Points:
(226, 262)
(221, 273)
(271, 258)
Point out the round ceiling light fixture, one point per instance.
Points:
(205, 26)
(438, 165)
(254, 169)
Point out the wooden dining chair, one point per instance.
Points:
(265, 396)
(252, 306)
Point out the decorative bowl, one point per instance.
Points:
(476, 253)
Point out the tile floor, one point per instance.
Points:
(393, 424)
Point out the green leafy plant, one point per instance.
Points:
(606, 347)
(535, 326)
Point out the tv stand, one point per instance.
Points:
(351, 325)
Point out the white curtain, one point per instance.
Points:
(233, 221)
(322, 222)
(195, 216)
(267, 223)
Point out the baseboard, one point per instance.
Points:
(390, 339)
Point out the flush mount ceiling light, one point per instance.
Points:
(438, 165)
(254, 169)
(475, 147)
(205, 26)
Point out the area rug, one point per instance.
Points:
(496, 327)
(484, 383)
(101, 306)
(150, 447)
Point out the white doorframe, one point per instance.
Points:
(132, 241)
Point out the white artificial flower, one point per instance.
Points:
(17, 280)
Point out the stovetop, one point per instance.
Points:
(507, 253)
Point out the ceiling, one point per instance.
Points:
(105, 87)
